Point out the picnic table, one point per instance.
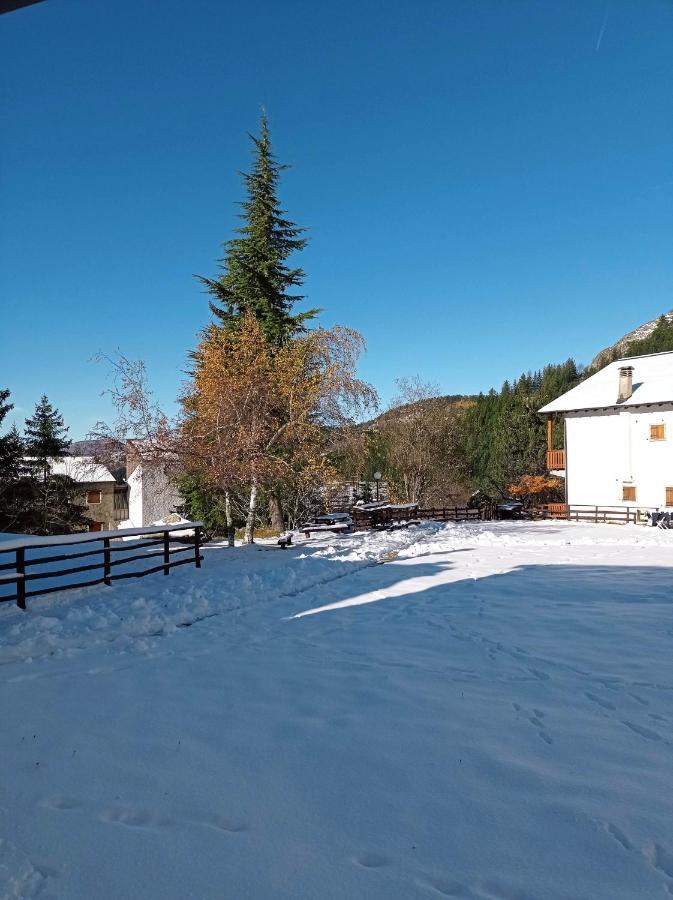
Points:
(333, 522)
(389, 515)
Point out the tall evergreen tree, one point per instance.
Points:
(46, 435)
(256, 278)
(11, 469)
(55, 502)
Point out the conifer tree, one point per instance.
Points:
(11, 469)
(45, 436)
(256, 278)
(53, 505)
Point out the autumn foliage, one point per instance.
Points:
(257, 415)
(538, 487)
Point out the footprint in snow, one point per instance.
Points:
(640, 700)
(541, 676)
(600, 702)
(222, 823)
(60, 803)
(134, 818)
(536, 721)
(369, 860)
(647, 733)
(444, 887)
(618, 835)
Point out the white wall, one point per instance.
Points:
(152, 496)
(135, 497)
(605, 450)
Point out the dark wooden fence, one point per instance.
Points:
(622, 515)
(382, 518)
(147, 544)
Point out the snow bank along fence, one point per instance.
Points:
(621, 515)
(380, 518)
(114, 550)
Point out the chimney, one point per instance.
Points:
(625, 383)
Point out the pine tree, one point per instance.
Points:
(45, 436)
(256, 278)
(11, 470)
(52, 506)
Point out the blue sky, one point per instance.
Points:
(488, 185)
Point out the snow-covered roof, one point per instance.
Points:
(652, 383)
(83, 469)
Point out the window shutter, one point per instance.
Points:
(628, 493)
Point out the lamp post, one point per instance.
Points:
(377, 478)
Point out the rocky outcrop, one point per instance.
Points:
(620, 347)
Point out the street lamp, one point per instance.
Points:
(377, 478)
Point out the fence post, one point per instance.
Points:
(166, 554)
(106, 561)
(197, 547)
(21, 582)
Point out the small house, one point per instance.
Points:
(618, 435)
(103, 499)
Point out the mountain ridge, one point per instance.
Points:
(620, 346)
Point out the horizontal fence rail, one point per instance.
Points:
(622, 515)
(383, 518)
(155, 544)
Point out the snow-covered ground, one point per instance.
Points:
(475, 711)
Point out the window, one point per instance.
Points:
(658, 432)
(628, 492)
(669, 496)
(95, 526)
(93, 496)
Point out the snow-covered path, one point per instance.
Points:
(477, 711)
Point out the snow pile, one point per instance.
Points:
(480, 711)
(126, 613)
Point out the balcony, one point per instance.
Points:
(556, 460)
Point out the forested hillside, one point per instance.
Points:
(491, 441)
(504, 437)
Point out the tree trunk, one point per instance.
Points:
(276, 512)
(250, 520)
(230, 521)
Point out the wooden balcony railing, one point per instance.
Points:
(556, 459)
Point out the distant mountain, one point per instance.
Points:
(621, 347)
(449, 400)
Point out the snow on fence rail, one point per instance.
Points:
(116, 550)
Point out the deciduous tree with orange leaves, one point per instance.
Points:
(541, 488)
(258, 415)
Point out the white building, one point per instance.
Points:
(151, 493)
(618, 435)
